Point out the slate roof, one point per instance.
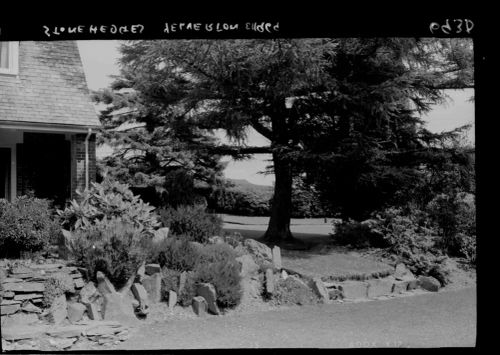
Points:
(50, 88)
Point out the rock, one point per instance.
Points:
(402, 273)
(141, 295)
(160, 235)
(27, 296)
(259, 251)
(207, 291)
(428, 283)
(152, 284)
(215, 240)
(9, 308)
(153, 269)
(252, 289)
(399, 286)
(63, 244)
(11, 280)
(31, 308)
(104, 285)
(247, 265)
(93, 312)
(354, 289)
(24, 287)
(380, 287)
(9, 302)
(76, 311)
(62, 343)
(58, 311)
(76, 275)
(269, 281)
(20, 319)
(79, 283)
(276, 251)
(199, 305)
(141, 273)
(118, 307)
(320, 289)
(172, 299)
(182, 282)
(20, 270)
(68, 331)
(334, 294)
(284, 274)
(23, 332)
(412, 284)
(49, 266)
(87, 293)
(8, 294)
(103, 330)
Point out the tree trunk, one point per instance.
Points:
(279, 224)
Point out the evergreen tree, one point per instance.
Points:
(318, 101)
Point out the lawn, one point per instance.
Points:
(327, 262)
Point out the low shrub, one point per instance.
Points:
(192, 222)
(55, 286)
(113, 247)
(175, 254)
(169, 282)
(293, 291)
(185, 297)
(218, 266)
(26, 225)
(109, 200)
(358, 234)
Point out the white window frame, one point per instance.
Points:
(13, 68)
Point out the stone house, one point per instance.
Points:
(47, 121)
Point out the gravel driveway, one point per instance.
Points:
(441, 319)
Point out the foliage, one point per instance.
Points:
(218, 266)
(358, 234)
(191, 222)
(242, 199)
(319, 102)
(55, 286)
(455, 217)
(185, 297)
(26, 224)
(293, 291)
(176, 254)
(113, 247)
(169, 282)
(108, 200)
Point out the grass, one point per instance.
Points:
(330, 263)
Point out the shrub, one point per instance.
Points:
(26, 224)
(113, 247)
(175, 254)
(293, 291)
(358, 234)
(192, 222)
(185, 297)
(219, 267)
(455, 217)
(55, 286)
(169, 282)
(109, 200)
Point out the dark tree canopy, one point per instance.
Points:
(330, 108)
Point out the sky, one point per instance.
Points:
(100, 61)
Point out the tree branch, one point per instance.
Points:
(234, 151)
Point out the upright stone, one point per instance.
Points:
(354, 289)
(172, 299)
(58, 310)
(152, 285)
(320, 289)
(141, 295)
(269, 281)
(93, 312)
(104, 285)
(380, 287)
(160, 235)
(182, 282)
(118, 307)
(429, 283)
(200, 306)
(277, 257)
(247, 265)
(152, 269)
(87, 293)
(63, 244)
(76, 311)
(207, 291)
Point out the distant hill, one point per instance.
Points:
(246, 186)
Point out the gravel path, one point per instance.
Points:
(440, 319)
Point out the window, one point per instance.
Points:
(9, 57)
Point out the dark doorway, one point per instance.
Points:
(5, 173)
(47, 166)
